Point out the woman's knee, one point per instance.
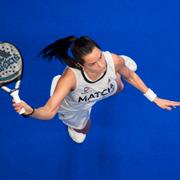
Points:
(120, 88)
(119, 84)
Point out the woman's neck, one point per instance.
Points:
(92, 75)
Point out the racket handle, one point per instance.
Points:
(17, 99)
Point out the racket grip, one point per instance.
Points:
(17, 99)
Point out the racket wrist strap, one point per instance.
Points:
(28, 115)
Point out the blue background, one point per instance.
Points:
(130, 138)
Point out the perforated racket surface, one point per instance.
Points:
(11, 67)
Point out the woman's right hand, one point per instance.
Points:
(18, 106)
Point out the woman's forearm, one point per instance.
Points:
(137, 82)
(43, 113)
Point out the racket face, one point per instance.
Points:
(10, 63)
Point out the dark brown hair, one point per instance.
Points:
(70, 50)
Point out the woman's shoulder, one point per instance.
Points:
(68, 73)
(69, 77)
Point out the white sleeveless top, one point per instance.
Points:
(88, 92)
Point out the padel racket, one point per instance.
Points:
(11, 67)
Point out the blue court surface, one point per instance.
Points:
(130, 137)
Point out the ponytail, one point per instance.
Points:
(59, 50)
(70, 50)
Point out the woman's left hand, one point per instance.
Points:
(166, 104)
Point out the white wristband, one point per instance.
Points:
(150, 95)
